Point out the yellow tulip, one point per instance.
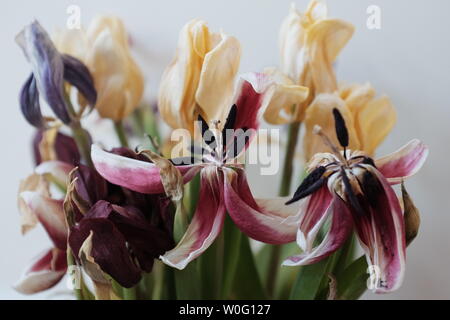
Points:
(309, 43)
(200, 80)
(104, 48)
(369, 119)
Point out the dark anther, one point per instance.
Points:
(371, 188)
(207, 134)
(229, 124)
(313, 182)
(341, 128)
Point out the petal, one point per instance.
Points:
(29, 103)
(381, 232)
(99, 242)
(375, 120)
(284, 98)
(216, 85)
(340, 229)
(313, 217)
(48, 67)
(55, 171)
(320, 112)
(205, 226)
(51, 145)
(139, 176)
(50, 214)
(45, 272)
(403, 163)
(269, 221)
(78, 75)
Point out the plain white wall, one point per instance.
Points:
(408, 59)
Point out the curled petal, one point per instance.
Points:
(29, 103)
(205, 226)
(269, 221)
(50, 214)
(97, 241)
(312, 218)
(45, 272)
(49, 145)
(340, 229)
(78, 75)
(403, 163)
(139, 176)
(48, 68)
(381, 233)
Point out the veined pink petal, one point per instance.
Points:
(382, 235)
(50, 214)
(269, 221)
(312, 217)
(206, 224)
(404, 162)
(139, 176)
(341, 228)
(251, 91)
(45, 272)
(58, 170)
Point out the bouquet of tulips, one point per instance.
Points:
(170, 214)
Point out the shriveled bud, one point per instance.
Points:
(411, 215)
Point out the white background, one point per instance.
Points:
(408, 59)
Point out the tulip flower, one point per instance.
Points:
(122, 232)
(104, 48)
(355, 192)
(224, 186)
(368, 119)
(38, 205)
(310, 43)
(51, 70)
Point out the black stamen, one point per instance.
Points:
(341, 128)
(371, 188)
(313, 182)
(207, 134)
(240, 140)
(229, 124)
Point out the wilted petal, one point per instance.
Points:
(48, 68)
(374, 121)
(78, 75)
(403, 163)
(284, 98)
(49, 145)
(98, 241)
(216, 83)
(139, 176)
(55, 171)
(45, 272)
(320, 112)
(50, 214)
(381, 232)
(205, 226)
(29, 103)
(312, 218)
(269, 221)
(340, 229)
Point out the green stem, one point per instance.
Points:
(120, 131)
(83, 141)
(71, 262)
(285, 188)
(130, 294)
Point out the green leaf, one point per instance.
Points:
(309, 281)
(352, 282)
(247, 284)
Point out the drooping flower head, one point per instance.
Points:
(51, 70)
(104, 48)
(355, 192)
